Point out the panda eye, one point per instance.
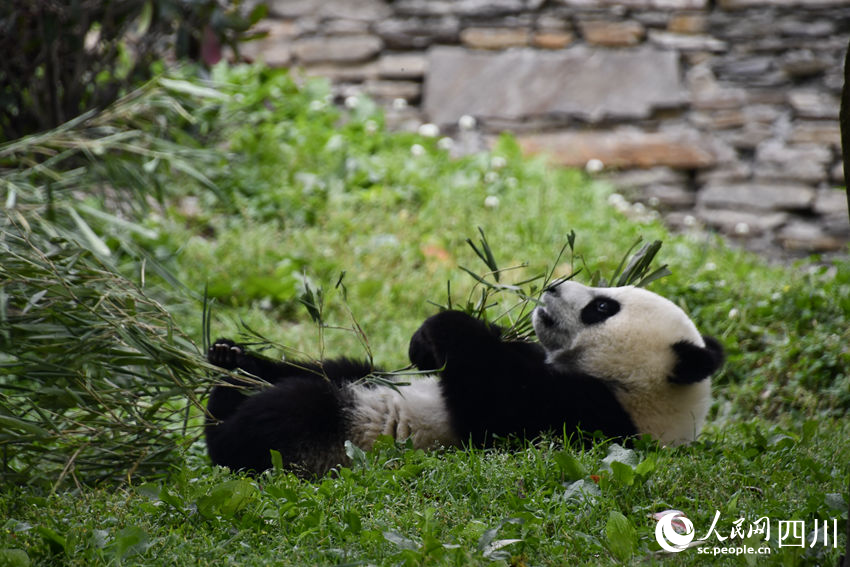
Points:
(599, 310)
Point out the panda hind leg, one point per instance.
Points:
(303, 418)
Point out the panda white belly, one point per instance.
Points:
(416, 411)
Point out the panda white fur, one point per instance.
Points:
(622, 361)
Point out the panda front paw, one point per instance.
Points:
(225, 353)
(422, 351)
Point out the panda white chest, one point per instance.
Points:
(416, 411)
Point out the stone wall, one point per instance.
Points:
(720, 113)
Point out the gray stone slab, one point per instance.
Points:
(589, 83)
(624, 148)
(351, 9)
(341, 49)
(756, 196)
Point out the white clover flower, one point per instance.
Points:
(370, 126)
(467, 122)
(445, 143)
(742, 228)
(498, 162)
(710, 266)
(417, 150)
(491, 201)
(399, 104)
(618, 202)
(733, 313)
(316, 105)
(639, 208)
(689, 220)
(654, 201)
(351, 101)
(429, 130)
(491, 177)
(594, 165)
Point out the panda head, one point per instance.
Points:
(642, 345)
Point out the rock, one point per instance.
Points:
(831, 202)
(341, 49)
(742, 4)
(402, 66)
(734, 222)
(405, 119)
(749, 137)
(495, 38)
(347, 9)
(823, 133)
(478, 8)
(718, 98)
(794, 27)
(756, 196)
(622, 148)
(669, 196)
(638, 4)
(814, 104)
(550, 21)
(807, 163)
(639, 178)
(688, 22)
(612, 33)
(732, 171)
(525, 83)
(686, 42)
(808, 236)
(552, 39)
(417, 33)
(718, 120)
(744, 68)
(802, 64)
(345, 27)
(391, 90)
(356, 73)
(707, 94)
(274, 49)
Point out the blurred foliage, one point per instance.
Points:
(63, 58)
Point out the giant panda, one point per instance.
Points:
(622, 361)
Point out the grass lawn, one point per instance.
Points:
(269, 190)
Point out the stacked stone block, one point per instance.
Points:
(715, 112)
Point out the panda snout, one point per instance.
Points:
(544, 317)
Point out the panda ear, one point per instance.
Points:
(695, 363)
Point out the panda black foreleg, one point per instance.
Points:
(490, 386)
(226, 354)
(451, 335)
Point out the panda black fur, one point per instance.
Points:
(622, 361)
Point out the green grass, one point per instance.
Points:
(305, 193)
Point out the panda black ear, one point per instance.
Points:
(695, 363)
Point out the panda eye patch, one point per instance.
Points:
(598, 310)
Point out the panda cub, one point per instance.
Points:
(623, 361)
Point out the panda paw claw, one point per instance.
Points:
(226, 354)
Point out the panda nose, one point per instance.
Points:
(553, 287)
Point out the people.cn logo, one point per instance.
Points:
(667, 535)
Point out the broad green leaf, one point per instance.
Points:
(570, 466)
(621, 536)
